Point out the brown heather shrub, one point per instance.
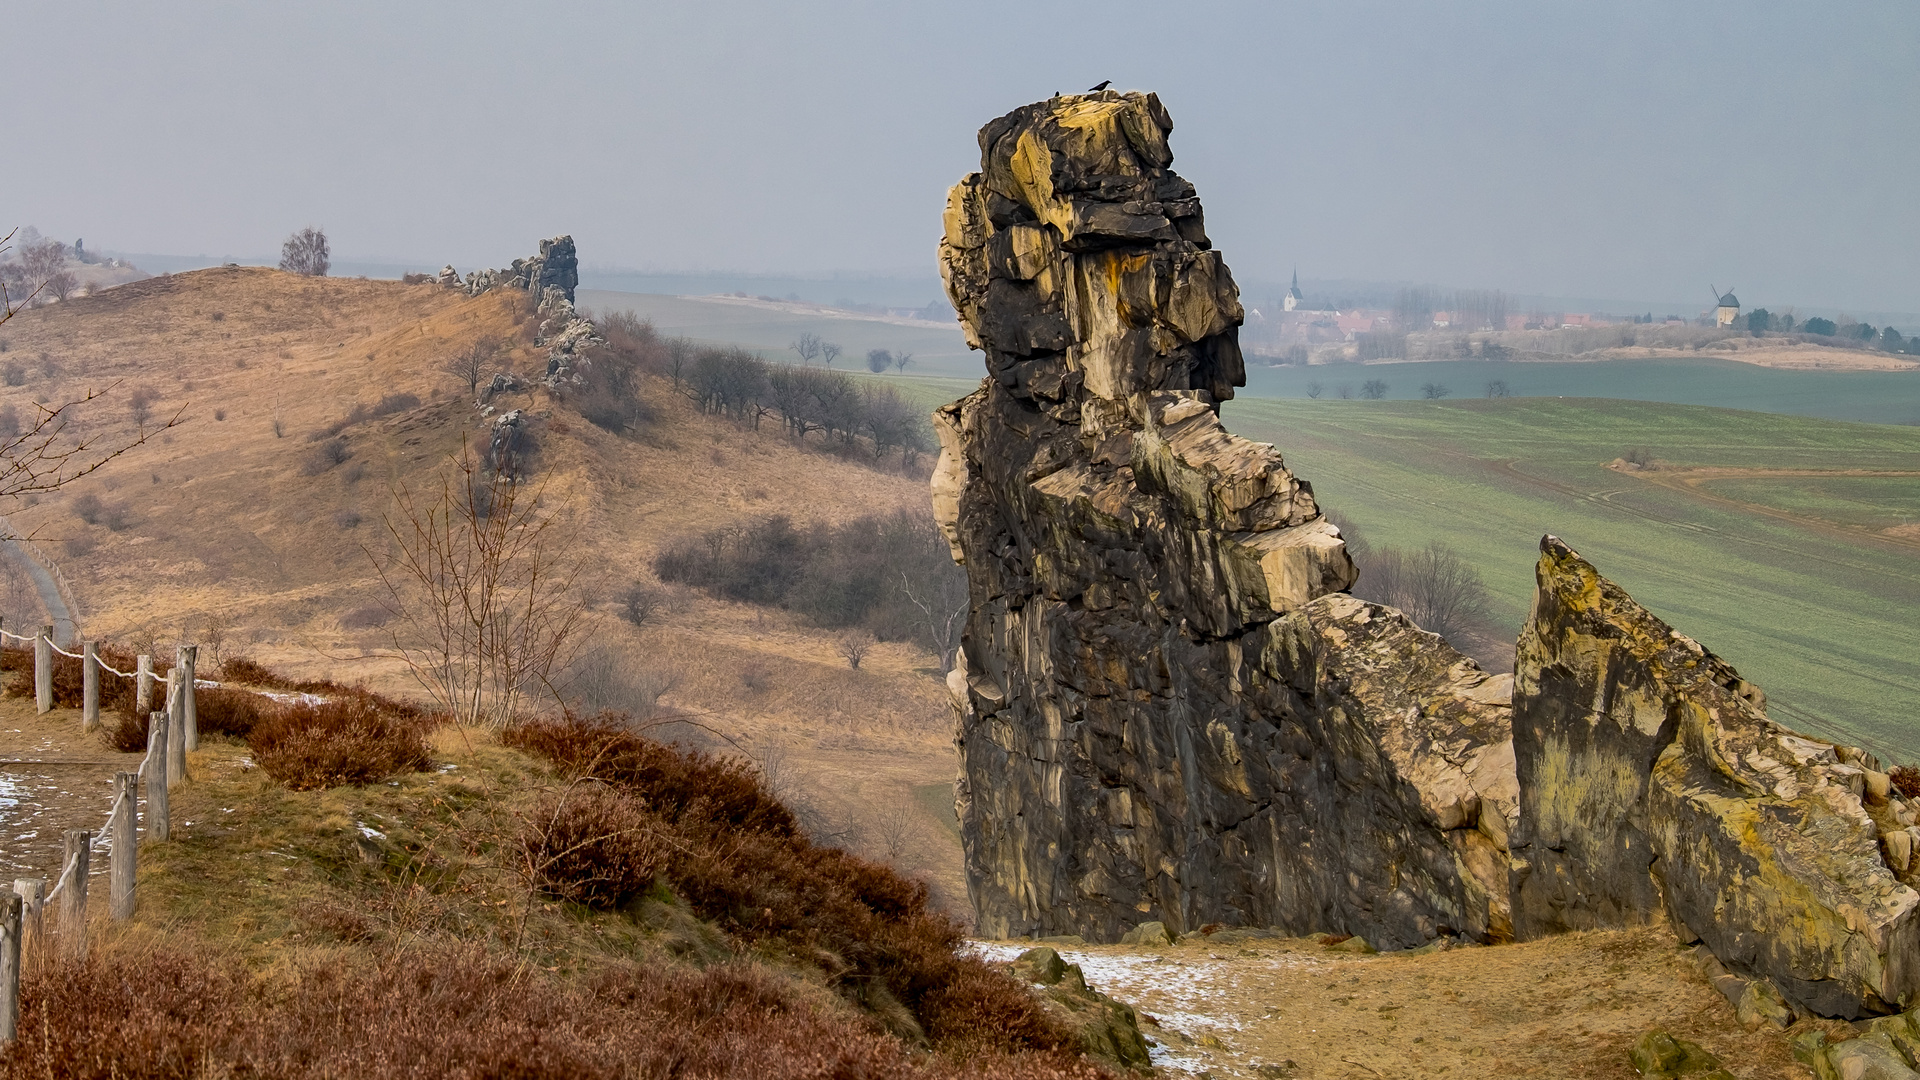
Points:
(353, 738)
(593, 844)
(233, 713)
(738, 860)
(677, 783)
(454, 1014)
(1906, 780)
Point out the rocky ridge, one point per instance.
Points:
(1169, 710)
(555, 267)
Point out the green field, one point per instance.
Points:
(1799, 590)
(1879, 397)
(937, 348)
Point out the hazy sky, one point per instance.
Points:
(1626, 150)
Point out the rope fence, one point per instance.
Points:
(171, 733)
(22, 909)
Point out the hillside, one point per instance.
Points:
(229, 521)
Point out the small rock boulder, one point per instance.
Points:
(1659, 1054)
(1149, 933)
(1109, 1029)
(1042, 965)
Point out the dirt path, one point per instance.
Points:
(1691, 482)
(53, 777)
(1569, 1007)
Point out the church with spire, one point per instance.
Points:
(1293, 297)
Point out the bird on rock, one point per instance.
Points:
(1104, 83)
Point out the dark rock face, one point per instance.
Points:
(1168, 709)
(557, 266)
(1652, 783)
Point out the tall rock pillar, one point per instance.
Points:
(1168, 707)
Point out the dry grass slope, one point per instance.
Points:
(226, 519)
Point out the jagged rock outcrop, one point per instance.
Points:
(1168, 708)
(1652, 781)
(568, 337)
(557, 267)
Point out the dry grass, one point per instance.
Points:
(453, 1013)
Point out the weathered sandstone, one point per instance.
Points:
(1169, 709)
(1651, 782)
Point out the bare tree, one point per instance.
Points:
(945, 609)
(61, 283)
(829, 352)
(855, 648)
(641, 602)
(305, 252)
(470, 364)
(901, 360)
(214, 637)
(1374, 389)
(1433, 391)
(1497, 388)
(808, 346)
(140, 404)
(1436, 588)
(1314, 390)
(485, 596)
(893, 829)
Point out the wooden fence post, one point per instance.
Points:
(90, 686)
(188, 662)
(125, 847)
(73, 902)
(176, 743)
(43, 669)
(159, 827)
(9, 967)
(33, 894)
(143, 685)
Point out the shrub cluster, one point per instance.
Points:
(355, 737)
(866, 572)
(352, 738)
(451, 1013)
(593, 844)
(736, 857)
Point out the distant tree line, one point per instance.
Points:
(890, 574)
(1761, 321)
(738, 384)
(1467, 309)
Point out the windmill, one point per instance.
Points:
(1726, 306)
